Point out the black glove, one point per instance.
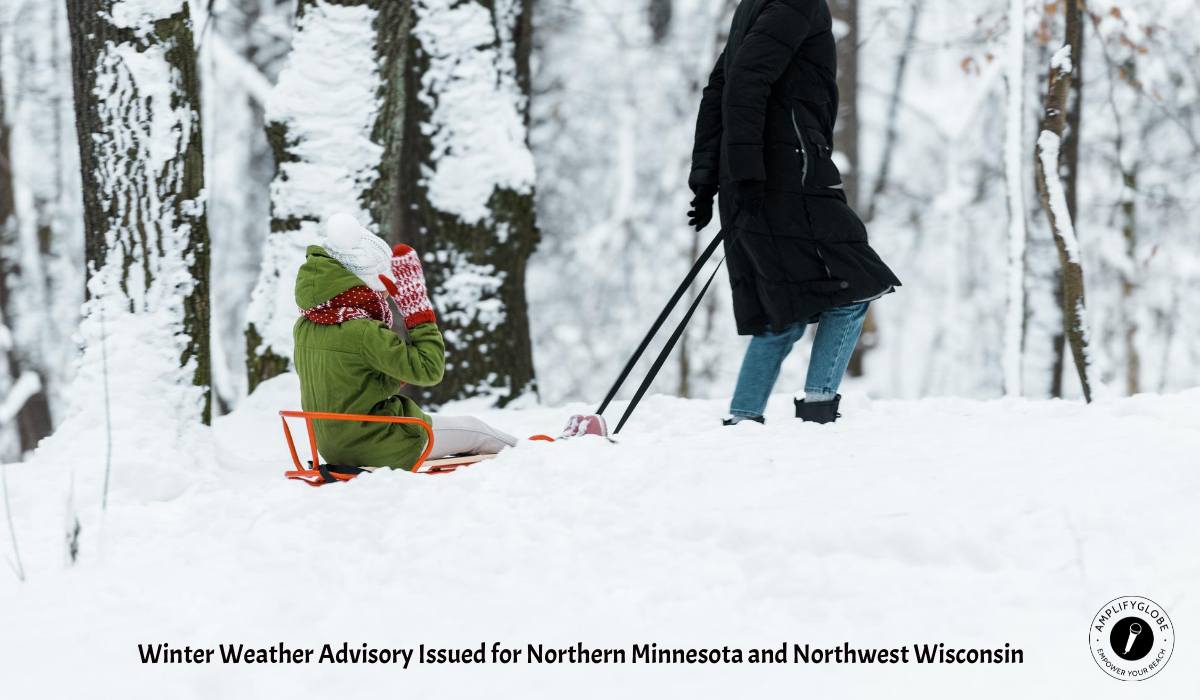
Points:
(750, 196)
(702, 206)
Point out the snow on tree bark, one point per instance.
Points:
(1054, 201)
(462, 182)
(321, 120)
(1070, 170)
(137, 117)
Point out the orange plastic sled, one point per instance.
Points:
(317, 474)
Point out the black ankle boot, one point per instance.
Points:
(818, 412)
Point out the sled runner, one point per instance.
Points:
(331, 473)
(317, 474)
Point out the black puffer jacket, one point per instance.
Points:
(768, 114)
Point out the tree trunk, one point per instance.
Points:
(395, 128)
(1071, 179)
(1074, 124)
(137, 117)
(1054, 198)
(846, 133)
(892, 131)
(239, 207)
(1127, 161)
(32, 422)
(1129, 231)
(460, 182)
(45, 255)
(660, 13)
(1014, 325)
(1058, 346)
(326, 158)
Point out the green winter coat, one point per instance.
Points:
(358, 367)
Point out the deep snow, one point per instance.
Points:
(964, 522)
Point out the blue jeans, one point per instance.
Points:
(837, 334)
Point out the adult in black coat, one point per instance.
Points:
(764, 141)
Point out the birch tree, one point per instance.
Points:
(1014, 326)
(137, 101)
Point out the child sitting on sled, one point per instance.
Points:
(351, 361)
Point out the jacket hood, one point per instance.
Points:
(321, 278)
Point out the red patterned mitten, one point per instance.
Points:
(410, 296)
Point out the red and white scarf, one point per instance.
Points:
(355, 303)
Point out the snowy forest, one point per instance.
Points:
(1029, 168)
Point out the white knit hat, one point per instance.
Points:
(357, 249)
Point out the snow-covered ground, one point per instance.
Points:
(970, 523)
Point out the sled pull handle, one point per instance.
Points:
(666, 351)
(658, 323)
